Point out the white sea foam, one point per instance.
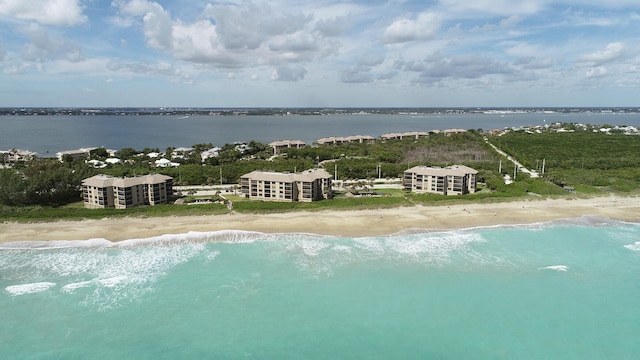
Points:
(555, 268)
(432, 246)
(227, 236)
(72, 287)
(634, 247)
(112, 275)
(22, 289)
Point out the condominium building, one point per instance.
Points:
(16, 155)
(406, 135)
(362, 139)
(281, 145)
(82, 153)
(310, 185)
(451, 180)
(102, 191)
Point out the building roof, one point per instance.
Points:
(352, 138)
(287, 143)
(102, 181)
(156, 178)
(405, 134)
(455, 170)
(98, 181)
(308, 175)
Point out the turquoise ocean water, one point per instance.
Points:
(562, 290)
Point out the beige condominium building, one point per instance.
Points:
(451, 180)
(281, 145)
(310, 185)
(102, 191)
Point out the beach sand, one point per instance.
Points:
(354, 223)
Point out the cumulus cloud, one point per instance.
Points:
(157, 22)
(363, 72)
(356, 75)
(333, 27)
(46, 12)
(436, 69)
(370, 60)
(44, 46)
(288, 73)
(230, 35)
(163, 69)
(249, 27)
(500, 7)
(533, 63)
(613, 51)
(596, 72)
(424, 27)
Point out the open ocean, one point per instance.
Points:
(562, 290)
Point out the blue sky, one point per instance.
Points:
(320, 53)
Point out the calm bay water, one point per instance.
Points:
(47, 135)
(563, 290)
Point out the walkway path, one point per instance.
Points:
(521, 168)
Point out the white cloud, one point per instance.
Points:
(596, 72)
(612, 52)
(478, 8)
(230, 35)
(163, 69)
(424, 27)
(356, 75)
(44, 46)
(46, 12)
(288, 73)
(333, 27)
(471, 66)
(157, 22)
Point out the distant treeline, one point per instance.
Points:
(133, 111)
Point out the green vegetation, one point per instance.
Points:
(586, 160)
(590, 162)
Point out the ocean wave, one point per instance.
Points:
(555, 268)
(23, 289)
(227, 236)
(108, 277)
(242, 236)
(634, 247)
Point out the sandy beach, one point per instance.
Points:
(340, 223)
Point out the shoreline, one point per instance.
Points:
(351, 223)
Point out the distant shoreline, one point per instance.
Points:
(280, 111)
(351, 223)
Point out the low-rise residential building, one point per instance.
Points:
(102, 191)
(310, 185)
(363, 139)
(451, 180)
(16, 155)
(281, 145)
(451, 132)
(82, 153)
(400, 136)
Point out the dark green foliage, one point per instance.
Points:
(581, 157)
(47, 182)
(99, 153)
(579, 150)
